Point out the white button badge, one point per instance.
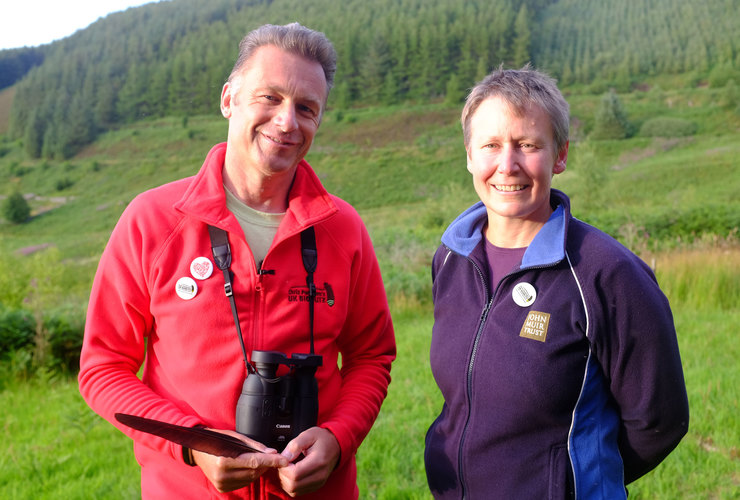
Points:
(524, 294)
(186, 288)
(201, 268)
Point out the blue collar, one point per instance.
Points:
(547, 247)
(466, 232)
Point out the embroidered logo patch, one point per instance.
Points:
(323, 295)
(535, 326)
(329, 294)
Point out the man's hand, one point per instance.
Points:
(228, 474)
(321, 454)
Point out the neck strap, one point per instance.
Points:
(308, 250)
(222, 257)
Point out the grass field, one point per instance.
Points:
(55, 447)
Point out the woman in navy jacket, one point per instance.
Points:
(553, 346)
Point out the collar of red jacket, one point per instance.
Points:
(205, 199)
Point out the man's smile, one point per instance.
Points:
(278, 140)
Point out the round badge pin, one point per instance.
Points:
(201, 268)
(524, 294)
(186, 288)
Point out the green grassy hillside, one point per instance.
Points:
(166, 58)
(404, 169)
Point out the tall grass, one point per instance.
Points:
(704, 289)
(701, 279)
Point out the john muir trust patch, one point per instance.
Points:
(535, 326)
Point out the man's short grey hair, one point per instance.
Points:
(293, 38)
(520, 89)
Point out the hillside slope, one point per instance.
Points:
(170, 58)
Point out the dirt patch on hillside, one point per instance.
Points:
(43, 204)
(633, 156)
(32, 249)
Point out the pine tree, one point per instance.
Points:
(611, 120)
(454, 93)
(390, 92)
(592, 174)
(522, 38)
(482, 69)
(105, 107)
(729, 97)
(33, 139)
(80, 127)
(466, 67)
(340, 96)
(374, 68)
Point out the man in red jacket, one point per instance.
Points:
(157, 301)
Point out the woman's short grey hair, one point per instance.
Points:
(520, 89)
(293, 38)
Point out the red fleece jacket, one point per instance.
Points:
(193, 366)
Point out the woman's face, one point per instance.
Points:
(513, 158)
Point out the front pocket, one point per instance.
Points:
(561, 475)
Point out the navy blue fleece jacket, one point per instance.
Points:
(565, 381)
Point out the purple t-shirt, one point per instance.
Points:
(501, 261)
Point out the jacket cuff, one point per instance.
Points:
(346, 447)
(183, 451)
(187, 456)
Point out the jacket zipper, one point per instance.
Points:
(259, 292)
(469, 381)
(469, 388)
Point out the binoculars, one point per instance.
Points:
(274, 409)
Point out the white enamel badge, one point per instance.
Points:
(201, 268)
(524, 294)
(186, 288)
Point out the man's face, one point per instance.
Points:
(513, 159)
(274, 107)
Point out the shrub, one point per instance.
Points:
(593, 174)
(18, 170)
(16, 209)
(720, 75)
(16, 330)
(64, 183)
(611, 120)
(597, 87)
(667, 127)
(729, 97)
(668, 225)
(64, 330)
